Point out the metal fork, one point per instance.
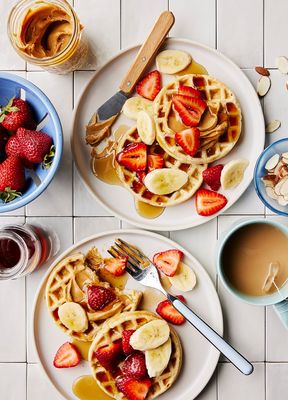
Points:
(144, 271)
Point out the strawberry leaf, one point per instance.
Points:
(9, 194)
(48, 159)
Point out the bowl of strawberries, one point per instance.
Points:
(31, 142)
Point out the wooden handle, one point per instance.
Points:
(147, 51)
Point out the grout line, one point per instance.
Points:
(120, 25)
(216, 24)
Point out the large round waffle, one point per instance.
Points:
(67, 282)
(215, 142)
(112, 331)
(132, 182)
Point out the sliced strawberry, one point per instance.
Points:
(189, 91)
(133, 157)
(116, 265)
(134, 366)
(155, 161)
(126, 335)
(190, 109)
(150, 86)
(169, 313)
(189, 140)
(67, 356)
(109, 356)
(212, 175)
(141, 176)
(99, 297)
(168, 261)
(208, 202)
(133, 389)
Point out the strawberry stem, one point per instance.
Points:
(48, 159)
(9, 194)
(8, 108)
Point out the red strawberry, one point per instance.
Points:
(34, 145)
(116, 265)
(3, 137)
(150, 86)
(133, 157)
(99, 297)
(12, 178)
(169, 313)
(212, 176)
(208, 202)
(190, 109)
(141, 176)
(13, 148)
(133, 389)
(189, 140)
(67, 356)
(126, 335)
(109, 356)
(17, 114)
(134, 366)
(168, 261)
(155, 161)
(189, 91)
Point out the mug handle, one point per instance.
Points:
(282, 311)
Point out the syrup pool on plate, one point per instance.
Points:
(83, 348)
(116, 281)
(147, 210)
(194, 68)
(86, 388)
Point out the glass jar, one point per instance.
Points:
(23, 248)
(48, 34)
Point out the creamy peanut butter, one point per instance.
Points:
(45, 31)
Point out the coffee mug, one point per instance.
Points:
(277, 299)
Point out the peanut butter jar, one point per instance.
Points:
(48, 34)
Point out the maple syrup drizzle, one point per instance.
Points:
(86, 388)
(194, 68)
(83, 348)
(148, 211)
(116, 281)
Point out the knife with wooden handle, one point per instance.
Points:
(146, 54)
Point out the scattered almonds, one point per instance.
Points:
(262, 71)
(282, 64)
(272, 126)
(263, 85)
(272, 162)
(276, 179)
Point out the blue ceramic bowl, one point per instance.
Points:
(281, 146)
(45, 114)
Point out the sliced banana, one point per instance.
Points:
(146, 127)
(172, 61)
(165, 180)
(184, 279)
(134, 105)
(150, 336)
(156, 360)
(73, 316)
(233, 173)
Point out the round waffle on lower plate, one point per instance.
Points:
(67, 282)
(131, 181)
(112, 331)
(216, 141)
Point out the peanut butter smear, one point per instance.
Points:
(45, 31)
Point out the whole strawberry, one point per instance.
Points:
(13, 148)
(34, 145)
(17, 114)
(12, 178)
(3, 137)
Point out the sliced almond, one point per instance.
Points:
(285, 155)
(283, 171)
(263, 85)
(272, 162)
(282, 201)
(262, 71)
(279, 185)
(284, 188)
(271, 193)
(269, 180)
(282, 64)
(272, 126)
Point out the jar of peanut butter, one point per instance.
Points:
(48, 33)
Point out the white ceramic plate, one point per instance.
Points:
(200, 357)
(105, 83)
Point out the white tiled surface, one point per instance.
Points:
(250, 32)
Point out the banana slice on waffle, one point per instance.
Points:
(111, 332)
(132, 181)
(220, 126)
(66, 298)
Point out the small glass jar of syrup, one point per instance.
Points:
(23, 248)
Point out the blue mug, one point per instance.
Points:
(277, 299)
